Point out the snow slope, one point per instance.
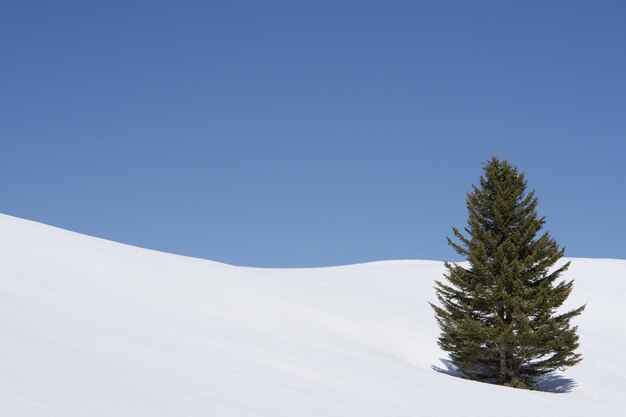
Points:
(90, 327)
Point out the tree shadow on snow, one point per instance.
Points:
(555, 383)
(447, 369)
(547, 383)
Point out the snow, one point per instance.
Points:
(90, 327)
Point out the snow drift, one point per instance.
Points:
(90, 327)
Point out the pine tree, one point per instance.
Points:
(498, 317)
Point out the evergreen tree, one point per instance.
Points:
(498, 317)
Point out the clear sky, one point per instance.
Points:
(310, 133)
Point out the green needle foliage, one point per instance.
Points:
(498, 318)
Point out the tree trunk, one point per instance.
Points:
(504, 372)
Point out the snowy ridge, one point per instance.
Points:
(90, 327)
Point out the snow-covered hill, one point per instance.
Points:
(90, 327)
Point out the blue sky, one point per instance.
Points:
(310, 133)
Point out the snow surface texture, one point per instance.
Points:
(90, 327)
